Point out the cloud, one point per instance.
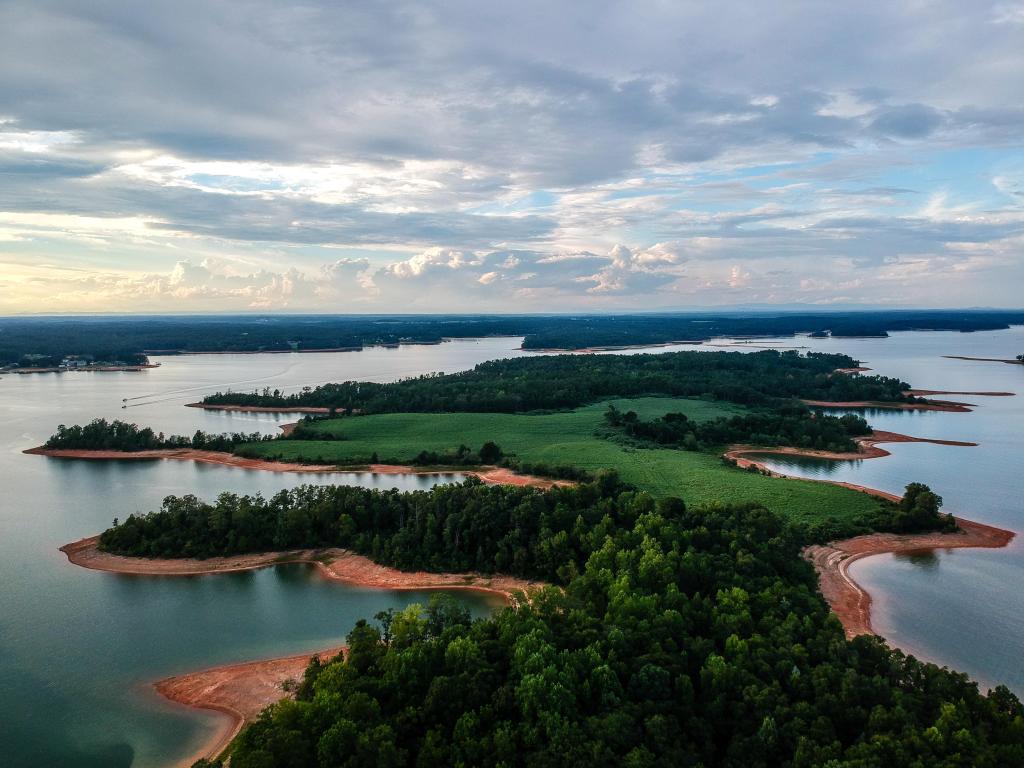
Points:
(544, 156)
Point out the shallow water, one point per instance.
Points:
(79, 648)
(963, 608)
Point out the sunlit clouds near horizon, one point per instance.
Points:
(378, 157)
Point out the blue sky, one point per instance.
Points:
(529, 156)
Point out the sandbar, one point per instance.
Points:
(931, 405)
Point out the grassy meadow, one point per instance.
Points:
(571, 437)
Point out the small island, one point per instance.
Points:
(660, 615)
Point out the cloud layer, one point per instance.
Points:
(396, 157)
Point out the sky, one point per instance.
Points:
(204, 156)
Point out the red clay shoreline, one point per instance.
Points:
(238, 691)
(489, 474)
(850, 602)
(241, 691)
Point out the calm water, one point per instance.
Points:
(963, 608)
(78, 648)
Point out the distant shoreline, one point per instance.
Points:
(85, 369)
(985, 359)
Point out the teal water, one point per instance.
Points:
(961, 608)
(79, 648)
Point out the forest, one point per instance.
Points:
(793, 424)
(103, 435)
(36, 341)
(567, 381)
(680, 637)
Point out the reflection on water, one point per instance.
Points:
(923, 558)
(77, 648)
(963, 608)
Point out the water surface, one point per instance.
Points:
(963, 608)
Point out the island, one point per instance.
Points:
(672, 612)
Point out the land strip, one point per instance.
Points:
(240, 691)
(487, 473)
(986, 359)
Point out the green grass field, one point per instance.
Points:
(569, 438)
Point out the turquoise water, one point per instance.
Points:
(962, 608)
(79, 648)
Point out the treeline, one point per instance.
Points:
(568, 381)
(103, 435)
(129, 338)
(463, 456)
(791, 425)
(682, 638)
(461, 527)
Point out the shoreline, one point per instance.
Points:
(257, 408)
(239, 691)
(490, 474)
(1008, 361)
(333, 563)
(87, 369)
(850, 602)
(867, 448)
(932, 405)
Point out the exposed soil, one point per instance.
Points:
(867, 449)
(240, 691)
(335, 563)
(928, 392)
(848, 600)
(488, 474)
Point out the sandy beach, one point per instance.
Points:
(867, 448)
(487, 473)
(241, 691)
(333, 562)
(848, 600)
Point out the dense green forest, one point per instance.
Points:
(34, 341)
(681, 637)
(567, 381)
(103, 435)
(462, 527)
(793, 424)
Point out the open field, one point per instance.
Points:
(569, 438)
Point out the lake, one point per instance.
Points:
(79, 649)
(965, 607)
